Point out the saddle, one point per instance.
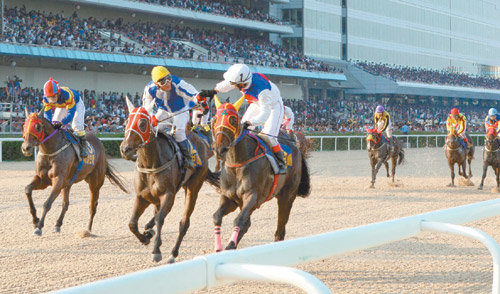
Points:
(287, 152)
(76, 143)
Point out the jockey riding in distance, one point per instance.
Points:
(382, 121)
(266, 104)
(172, 95)
(491, 121)
(288, 121)
(457, 123)
(62, 106)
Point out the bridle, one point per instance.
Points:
(133, 126)
(222, 122)
(29, 128)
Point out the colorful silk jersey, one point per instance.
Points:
(386, 118)
(175, 99)
(67, 99)
(259, 83)
(491, 124)
(457, 125)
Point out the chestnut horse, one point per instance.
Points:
(380, 151)
(56, 165)
(158, 176)
(491, 155)
(247, 179)
(457, 153)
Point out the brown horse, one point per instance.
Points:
(57, 164)
(247, 178)
(457, 153)
(303, 144)
(491, 156)
(380, 151)
(159, 176)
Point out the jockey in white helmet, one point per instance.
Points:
(266, 105)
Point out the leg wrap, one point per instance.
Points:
(234, 236)
(218, 241)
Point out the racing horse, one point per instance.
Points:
(58, 165)
(380, 150)
(247, 179)
(491, 156)
(457, 153)
(159, 175)
(303, 144)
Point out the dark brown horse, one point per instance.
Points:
(158, 176)
(303, 144)
(491, 156)
(56, 166)
(380, 150)
(247, 180)
(457, 153)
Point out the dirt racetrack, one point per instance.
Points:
(429, 263)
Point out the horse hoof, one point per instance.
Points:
(372, 186)
(218, 250)
(149, 233)
(145, 241)
(231, 246)
(37, 232)
(56, 229)
(450, 185)
(480, 188)
(156, 257)
(171, 259)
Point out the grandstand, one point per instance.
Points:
(333, 60)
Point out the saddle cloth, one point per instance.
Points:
(287, 152)
(75, 143)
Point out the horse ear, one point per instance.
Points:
(40, 113)
(217, 102)
(150, 106)
(238, 103)
(26, 112)
(130, 105)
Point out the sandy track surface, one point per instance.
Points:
(429, 263)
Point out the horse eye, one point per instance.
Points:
(142, 125)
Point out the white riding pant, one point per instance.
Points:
(196, 120)
(388, 131)
(271, 125)
(78, 122)
(179, 122)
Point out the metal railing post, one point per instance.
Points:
(349, 143)
(417, 141)
(335, 143)
(321, 144)
(1, 143)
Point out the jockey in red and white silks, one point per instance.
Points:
(288, 119)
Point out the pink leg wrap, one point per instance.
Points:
(234, 236)
(218, 241)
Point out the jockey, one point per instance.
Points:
(288, 120)
(266, 105)
(62, 106)
(382, 121)
(491, 120)
(457, 123)
(171, 95)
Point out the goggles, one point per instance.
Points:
(163, 81)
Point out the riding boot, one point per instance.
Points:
(280, 159)
(186, 153)
(83, 146)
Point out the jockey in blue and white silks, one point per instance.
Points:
(266, 104)
(171, 94)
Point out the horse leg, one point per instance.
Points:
(166, 203)
(242, 219)
(190, 201)
(497, 173)
(139, 206)
(94, 200)
(285, 204)
(65, 205)
(226, 206)
(36, 184)
(387, 169)
(464, 169)
(470, 169)
(56, 189)
(394, 161)
(485, 170)
(452, 169)
(374, 173)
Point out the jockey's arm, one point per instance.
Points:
(224, 86)
(186, 91)
(69, 116)
(146, 97)
(385, 119)
(461, 126)
(265, 104)
(48, 113)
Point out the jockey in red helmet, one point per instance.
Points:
(457, 123)
(62, 106)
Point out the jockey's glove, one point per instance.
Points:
(201, 99)
(57, 124)
(208, 93)
(205, 107)
(246, 125)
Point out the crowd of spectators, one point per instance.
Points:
(428, 76)
(231, 8)
(153, 39)
(106, 112)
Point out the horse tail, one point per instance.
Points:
(213, 178)
(114, 178)
(401, 156)
(305, 181)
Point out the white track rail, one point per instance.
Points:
(265, 262)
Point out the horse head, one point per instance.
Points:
(138, 130)
(451, 140)
(226, 125)
(35, 130)
(491, 139)
(373, 136)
